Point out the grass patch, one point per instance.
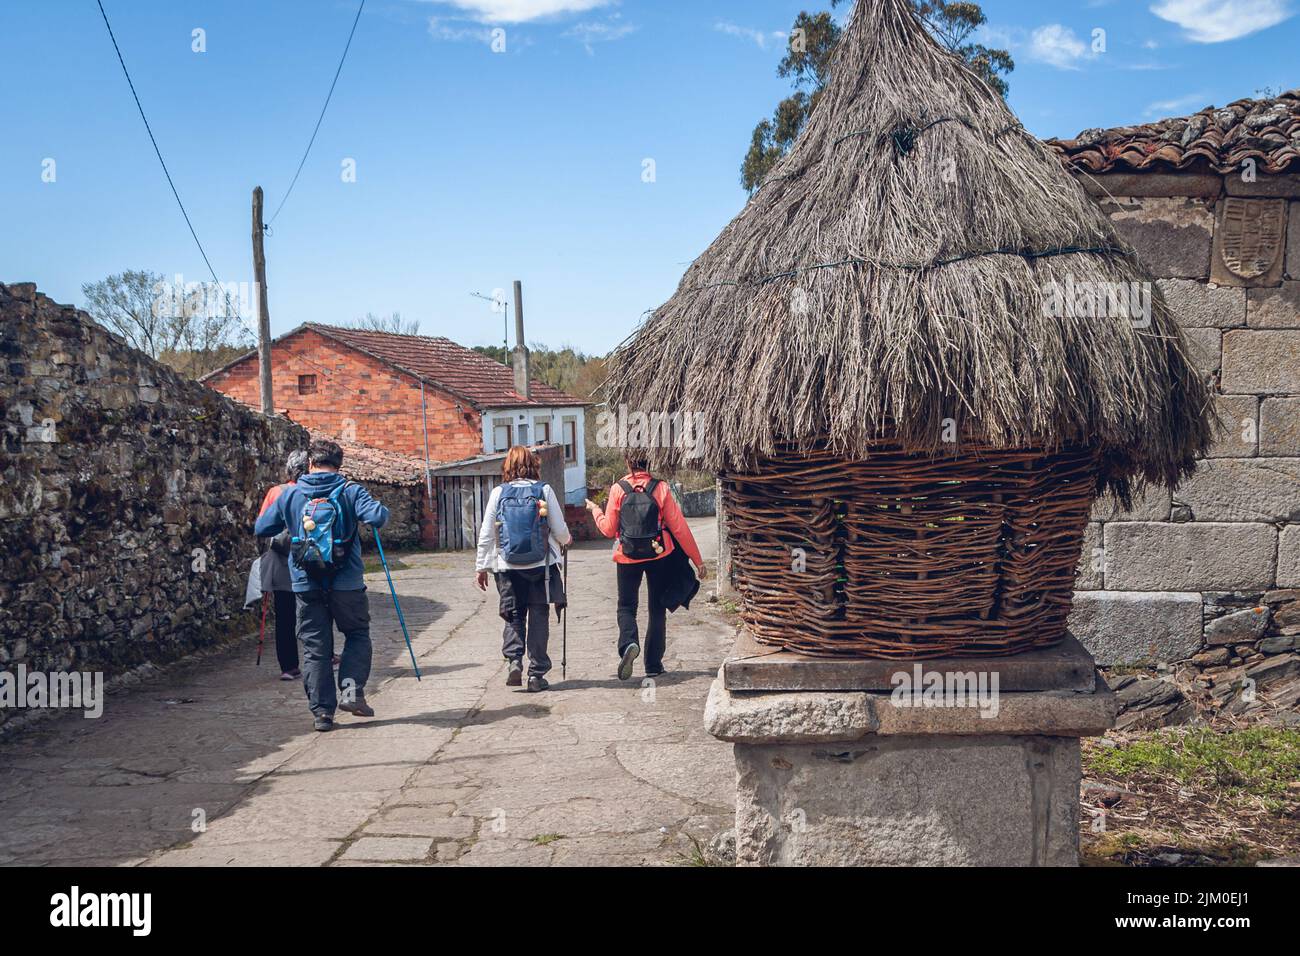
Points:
(1257, 761)
(1204, 796)
(546, 839)
(697, 856)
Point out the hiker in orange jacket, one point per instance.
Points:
(643, 515)
(275, 573)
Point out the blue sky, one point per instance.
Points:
(473, 167)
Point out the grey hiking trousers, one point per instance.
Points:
(526, 613)
(318, 612)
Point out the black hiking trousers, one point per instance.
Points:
(286, 631)
(656, 634)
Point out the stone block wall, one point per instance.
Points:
(127, 496)
(1210, 574)
(698, 504)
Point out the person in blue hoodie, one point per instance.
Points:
(339, 600)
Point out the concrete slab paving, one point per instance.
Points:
(386, 849)
(214, 763)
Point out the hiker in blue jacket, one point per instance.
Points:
(323, 511)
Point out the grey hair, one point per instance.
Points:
(295, 464)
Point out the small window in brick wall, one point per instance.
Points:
(306, 384)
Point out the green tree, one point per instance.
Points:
(564, 368)
(952, 24)
(807, 61)
(496, 353)
(193, 328)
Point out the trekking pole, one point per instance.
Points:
(261, 633)
(405, 633)
(564, 631)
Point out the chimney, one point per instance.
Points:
(520, 359)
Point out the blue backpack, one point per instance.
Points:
(323, 536)
(522, 528)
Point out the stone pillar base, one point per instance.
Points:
(852, 778)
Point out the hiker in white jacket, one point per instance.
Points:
(526, 567)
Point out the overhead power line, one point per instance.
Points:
(149, 130)
(307, 151)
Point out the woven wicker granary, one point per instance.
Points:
(887, 358)
(900, 556)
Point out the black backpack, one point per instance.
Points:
(639, 529)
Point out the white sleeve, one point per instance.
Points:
(555, 517)
(487, 534)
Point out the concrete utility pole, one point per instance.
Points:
(263, 313)
(521, 350)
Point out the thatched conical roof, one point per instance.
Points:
(892, 272)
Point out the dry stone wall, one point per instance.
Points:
(126, 501)
(406, 514)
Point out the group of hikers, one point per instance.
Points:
(312, 570)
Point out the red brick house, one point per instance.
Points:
(397, 392)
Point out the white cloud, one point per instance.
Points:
(1214, 21)
(441, 30)
(758, 37)
(1177, 106)
(522, 11)
(589, 34)
(1006, 38)
(1058, 46)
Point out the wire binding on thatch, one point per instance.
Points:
(890, 277)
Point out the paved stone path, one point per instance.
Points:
(457, 768)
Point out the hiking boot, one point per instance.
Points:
(358, 707)
(629, 656)
(536, 684)
(515, 676)
(323, 723)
